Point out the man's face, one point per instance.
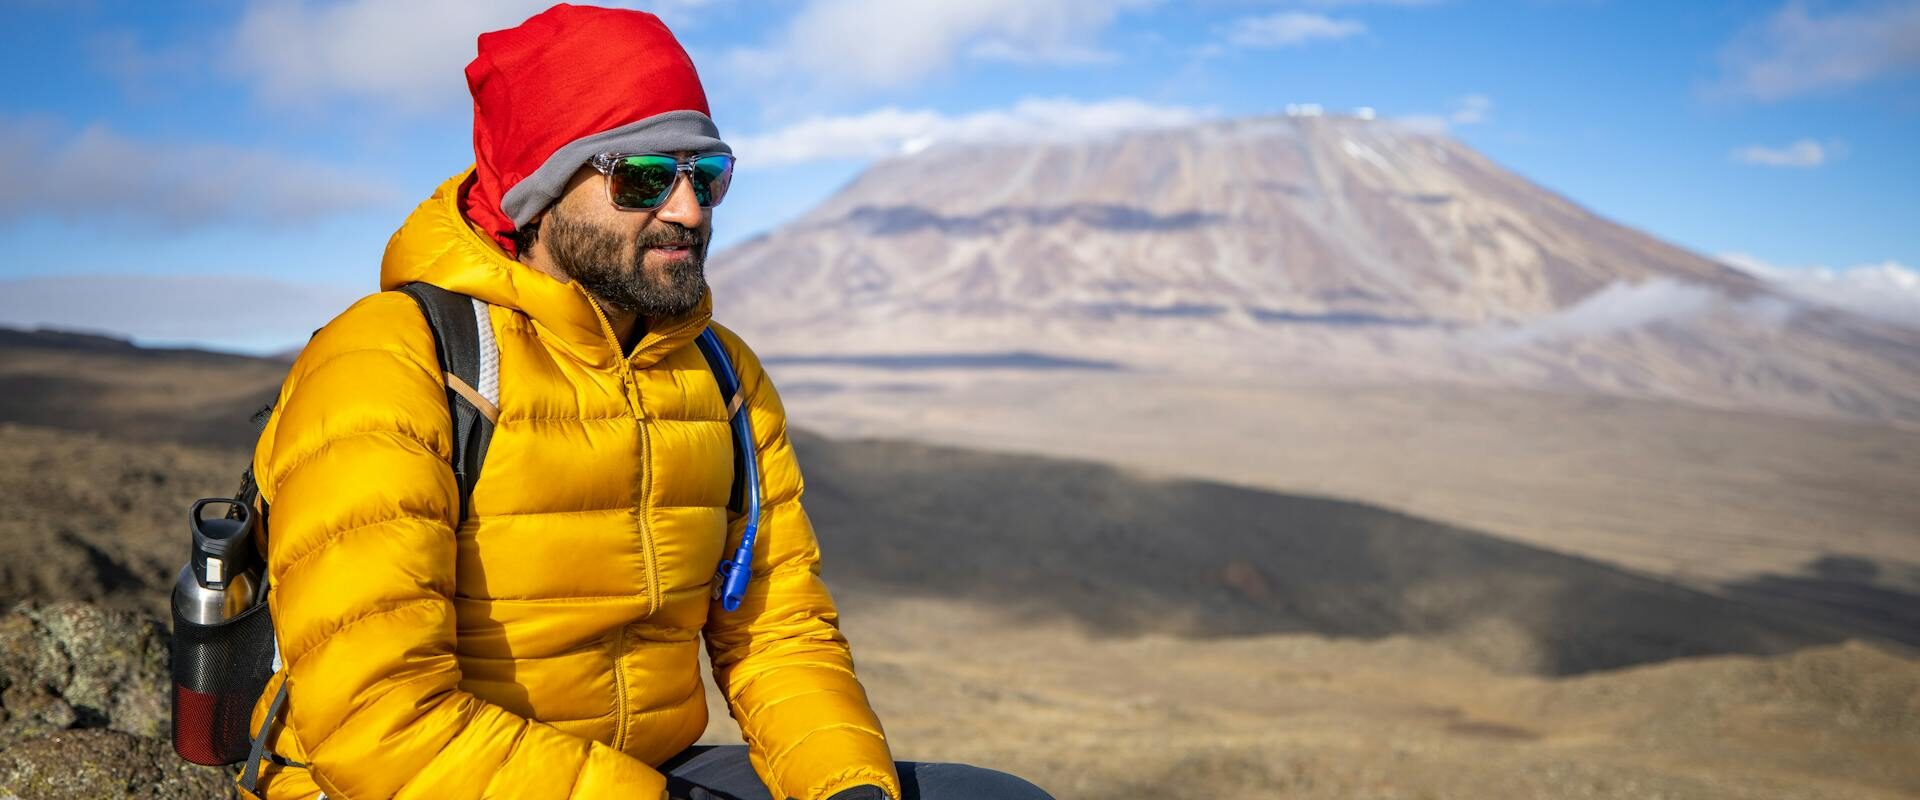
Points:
(651, 263)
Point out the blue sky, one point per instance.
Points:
(285, 140)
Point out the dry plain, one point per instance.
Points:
(1457, 594)
(1699, 495)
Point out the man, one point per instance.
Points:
(548, 647)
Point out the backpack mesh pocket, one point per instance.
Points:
(219, 672)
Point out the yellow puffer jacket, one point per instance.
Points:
(547, 648)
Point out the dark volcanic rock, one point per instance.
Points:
(73, 665)
(96, 763)
(83, 708)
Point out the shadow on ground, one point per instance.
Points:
(1125, 554)
(1846, 590)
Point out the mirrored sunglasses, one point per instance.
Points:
(638, 181)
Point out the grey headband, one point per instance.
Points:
(660, 133)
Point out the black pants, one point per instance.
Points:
(705, 772)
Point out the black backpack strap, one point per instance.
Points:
(250, 774)
(730, 394)
(470, 365)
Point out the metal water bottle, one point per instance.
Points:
(222, 646)
(221, 578)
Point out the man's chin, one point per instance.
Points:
(658, 307)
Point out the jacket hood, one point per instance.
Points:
(438, 245)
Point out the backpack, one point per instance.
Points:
(221, 669)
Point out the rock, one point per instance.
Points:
(98, 763)
(84, 710)
(74, 665)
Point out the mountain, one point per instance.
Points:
(1329, 248)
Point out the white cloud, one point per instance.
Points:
(1290, 29)
(1616, 308)
(854, 45)
(1802, 153)
(1622, 307)
(1887, 291)
(47, 170)
(407, 55)
(890, 131)
(1795, 52)
(260, 315)
(1065, 55)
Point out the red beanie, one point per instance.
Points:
(564, 86)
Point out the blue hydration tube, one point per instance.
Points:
(730, 579)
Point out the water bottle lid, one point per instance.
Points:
(221, 545)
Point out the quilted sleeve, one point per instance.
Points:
(780, 658)
(361, 559)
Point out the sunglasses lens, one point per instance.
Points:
(711, 176)
(641, 181)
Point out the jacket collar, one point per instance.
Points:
(438, 245)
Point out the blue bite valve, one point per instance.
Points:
(734, 576)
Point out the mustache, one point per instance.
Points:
(671, 234)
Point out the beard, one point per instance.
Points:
(615, 272)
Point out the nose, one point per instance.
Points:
(682, 207)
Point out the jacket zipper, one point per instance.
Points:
(632, 388)
(629, 385)
(620, 690)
